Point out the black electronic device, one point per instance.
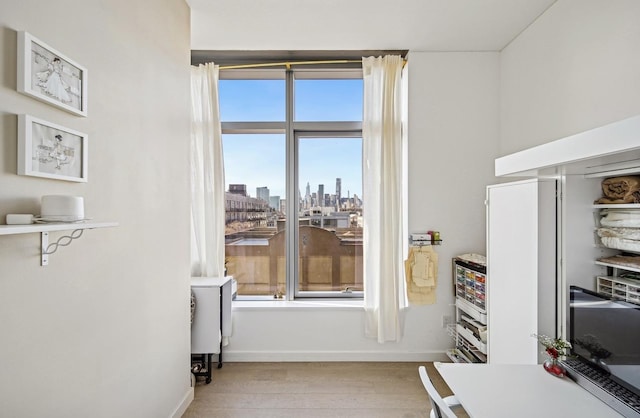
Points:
(605, 355)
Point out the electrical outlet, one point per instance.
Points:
(446, 320)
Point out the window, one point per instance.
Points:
(251, 162)
(330, 225)
(328, 100)
(294, 184)
(252, 100)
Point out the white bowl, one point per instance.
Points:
(62, 208)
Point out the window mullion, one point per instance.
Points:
(292, 198)
(253, 127)
(329, 127)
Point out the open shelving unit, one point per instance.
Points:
(470, 327)
(620, 282)
(46, 249)
(618, 266)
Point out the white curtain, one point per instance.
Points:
(383, 246)
(207, 175)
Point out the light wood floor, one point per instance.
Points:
(314, 390)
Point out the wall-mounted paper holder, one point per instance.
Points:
(421, 239)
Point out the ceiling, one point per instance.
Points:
(420, 25)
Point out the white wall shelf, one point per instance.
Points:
(52, 227)
(616, 206)
(45, 228)
(593, 152)
(618, 266)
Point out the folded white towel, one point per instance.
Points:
(621, 244)
(620, 218)
(626, 233)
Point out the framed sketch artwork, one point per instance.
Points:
(51, 151)
(49, 76)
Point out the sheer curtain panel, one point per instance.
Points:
(207, 175)
(383, 236)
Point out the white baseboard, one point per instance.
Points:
(184, 404)
(283, 356)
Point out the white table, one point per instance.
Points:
(523, 391)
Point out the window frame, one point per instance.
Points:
(293, 131)
(351, 130)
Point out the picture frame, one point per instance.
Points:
(51, 151)
(49, 76)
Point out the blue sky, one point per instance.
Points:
(259, 160)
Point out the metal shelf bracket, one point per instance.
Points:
(44, 243)
(46, 249)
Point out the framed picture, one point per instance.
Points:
(51, 151)
(49, 76)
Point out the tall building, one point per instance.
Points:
(274, 202)
(338, 192)
(307, 197)
(262, 193)
(321, 195)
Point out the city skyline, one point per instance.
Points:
(312, 192)
(259, 161)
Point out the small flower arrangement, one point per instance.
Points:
(554, 347)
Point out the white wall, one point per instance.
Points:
(103, 330)
(453, 134)
(574, 69)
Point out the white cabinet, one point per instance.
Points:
(579, 163)
(521, 268)
(211, 321)
(212, 316)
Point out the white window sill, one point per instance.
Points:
(311, 304)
